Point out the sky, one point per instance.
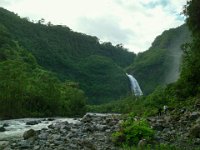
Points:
(132, 23)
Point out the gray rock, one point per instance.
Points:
(100, 127)
(2, 129)
(50, 119)
(92, 133)
(5, 125)
(36, 147)
(86, 118)
(195, 131)
(88, 144)
(166, 130)
(28, 134)
(51, 126)
(3, 144)
(34, 122)
(24, 144)
(58, 142)
(142, 143)
(43, 136)
(194, 115)
(55, 137)
(158, 127)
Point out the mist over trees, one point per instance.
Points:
(160, 64)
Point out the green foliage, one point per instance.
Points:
(155, 67)
(132, 131)
(12, 85)
(124, 105)
(141, 106)
(103, 74)
(192, 13)
(73, 100)
(151, 63)
(152, 147)
(158, 98)
(60, 50)
(189, 82)
(27, 90)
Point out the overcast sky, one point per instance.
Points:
(134, 23)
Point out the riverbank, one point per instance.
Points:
(91, 132)
(14, 128)
(179, 128)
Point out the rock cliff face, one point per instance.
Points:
(92, 132)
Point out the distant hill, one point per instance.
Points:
(160, 63)
(78, 57)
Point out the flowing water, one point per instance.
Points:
(16, 127)
(135, 86)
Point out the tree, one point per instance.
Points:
(189, 82)
(191, 11)
(73, 100)
(13, 81)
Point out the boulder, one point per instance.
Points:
(36, 147)
(142, 143)
(88, 144)
(194, 116)
(33, 122)
(158, 127)
(55, 137)
(2, 129)
(50, 119)
(100, 127)
(195, 131)
(5, 125)
(43, 136)
(3, 144)
(28, 134)
(51, 126)
(24, 144)
(86, 118)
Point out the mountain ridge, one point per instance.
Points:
(160, 64)
(69, 54)
(64, 52)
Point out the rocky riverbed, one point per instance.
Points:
(92, 132)
(179, 127)
(15, 128)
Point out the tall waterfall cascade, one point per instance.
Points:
(134, 85)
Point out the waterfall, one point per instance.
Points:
(134, 85)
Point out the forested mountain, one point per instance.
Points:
(97, 68)
(160, 64)
(27, 89)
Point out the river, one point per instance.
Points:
(16, 127)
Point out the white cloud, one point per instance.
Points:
(134, 23)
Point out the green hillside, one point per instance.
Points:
(65, 52)
(28, 90)
(97, 67)
(160, 64)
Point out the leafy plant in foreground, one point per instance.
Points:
(132, 131)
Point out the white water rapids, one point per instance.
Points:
(16, 127)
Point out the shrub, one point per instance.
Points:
(132, 131)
